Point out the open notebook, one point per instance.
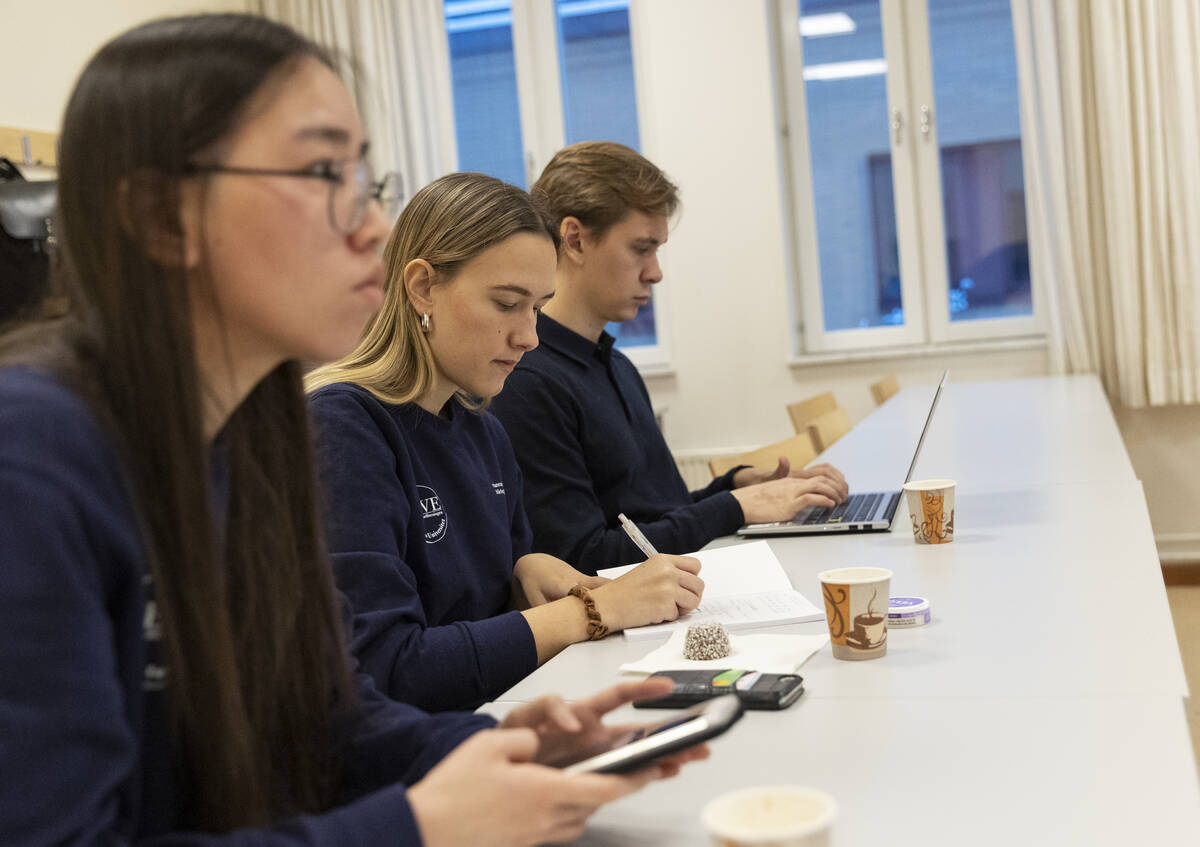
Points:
(744, 587)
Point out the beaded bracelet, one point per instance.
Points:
(595, 627)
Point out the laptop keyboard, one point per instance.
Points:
(858, 508)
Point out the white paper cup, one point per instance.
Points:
(931, 507)
(856, 610)
(770, 816)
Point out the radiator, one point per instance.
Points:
(693, 465)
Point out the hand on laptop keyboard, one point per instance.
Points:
(779, 499)
(754, 476)
(830, 473)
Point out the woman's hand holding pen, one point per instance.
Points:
(660, 589)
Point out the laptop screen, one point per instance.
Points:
(912, 466)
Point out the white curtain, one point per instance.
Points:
(1110, 99)
(400, 61)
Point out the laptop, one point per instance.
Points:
(872, 512)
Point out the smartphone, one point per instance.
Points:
(756, 690)
(639, 747)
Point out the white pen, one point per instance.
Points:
(635, 535)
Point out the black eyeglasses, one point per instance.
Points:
(348, 198)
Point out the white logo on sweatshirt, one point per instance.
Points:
(434, 515)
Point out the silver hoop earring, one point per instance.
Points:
(425, 321)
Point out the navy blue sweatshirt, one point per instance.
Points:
(425, 525)
(85, 748)
(581, 424)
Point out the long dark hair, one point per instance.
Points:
(252, 634)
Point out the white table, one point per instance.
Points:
(947, 771)
(1044, 592)
(1043, 704)
(989, 435)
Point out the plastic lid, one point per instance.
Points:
(907, 605)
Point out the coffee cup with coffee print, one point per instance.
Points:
(870, 630)
(856, 604)
(931, 507)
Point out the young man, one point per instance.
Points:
(577, 411)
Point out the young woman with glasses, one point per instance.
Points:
(172, 657)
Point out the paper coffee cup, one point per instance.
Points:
(856, 609)
(931, 507)
(770, 816)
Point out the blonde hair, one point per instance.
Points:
(447, 223)
(598, 182)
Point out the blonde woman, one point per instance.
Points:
(426, 522)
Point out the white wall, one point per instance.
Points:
(708, 119)
(47, 43)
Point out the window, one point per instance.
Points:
(487, 118)
(514, 64)
(904, 147)
(600, 102)
(596, 63)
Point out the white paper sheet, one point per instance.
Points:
(768, 652)
(744, 587)
(738, 569)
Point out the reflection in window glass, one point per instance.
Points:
(984, 204)
(596, 63)
(846, 94)
(599, 101)
(487, 116)
(983, 184)
(639, 332)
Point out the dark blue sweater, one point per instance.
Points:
(581, 424)
(425, 525)
(85, 752)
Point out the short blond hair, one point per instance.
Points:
(447, 223)
(600, 182)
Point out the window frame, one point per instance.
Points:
(928, 150)
(543, 125)
(539, 89)
(917, 187)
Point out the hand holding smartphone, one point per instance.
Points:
(639, 746)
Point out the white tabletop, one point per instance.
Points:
(946, 771)
(988, 436)
(1044, 592)
(1042, 705)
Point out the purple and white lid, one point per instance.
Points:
(906, 606)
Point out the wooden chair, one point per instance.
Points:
(803, 412)
(828, 428)
(798, 449)
(885, 389)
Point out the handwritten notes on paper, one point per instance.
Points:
(744, 587)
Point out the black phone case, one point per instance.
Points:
(771, 691)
